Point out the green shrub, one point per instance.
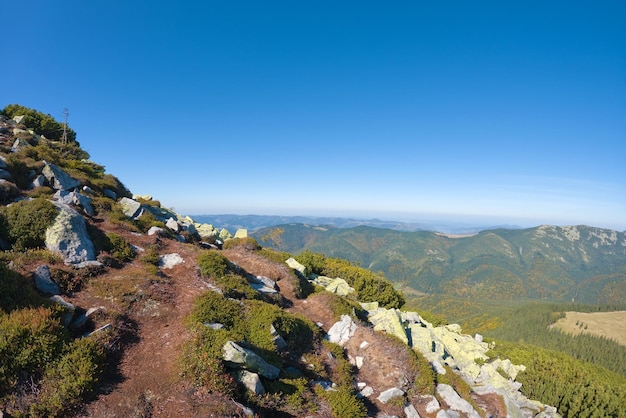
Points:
(201, 361)
(147, 220)
(314, 262)
(247, 242)
(27, 221)
(31, 338)
(19, 170)
(16, 291)
(120, 250)
(344, 403)
(274, 255)
(236, 287)
(212, 307)
(68, 381)
(213, 264)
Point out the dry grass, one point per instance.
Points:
(605, 324)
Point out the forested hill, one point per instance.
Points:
(580, 263)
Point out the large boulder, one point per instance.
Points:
(250, 381)
(58, 179)
(291, 262)
(242, 358)
(390, 321)
(68, 237)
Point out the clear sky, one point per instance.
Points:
(506, 111)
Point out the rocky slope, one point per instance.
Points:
(125, 272)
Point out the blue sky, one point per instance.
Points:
(487, 111)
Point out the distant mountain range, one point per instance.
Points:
(255, 222)
(579, 263)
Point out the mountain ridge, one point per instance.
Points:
(546, 262)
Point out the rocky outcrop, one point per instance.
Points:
(68, 237)
(75, 199)
(342, 330)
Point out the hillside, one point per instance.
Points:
(577, 263)
(113, 306)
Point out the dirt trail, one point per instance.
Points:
(147, 382)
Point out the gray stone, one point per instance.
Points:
(75, 199)
(277, 339)
(44, 282)
(168, 261)
(250, 381)
(173, 225)
(263, 280)
(19, 144)
(241, 233)
(18, 119)
(367, 391)
(158, 231)
(110, 194)
(342, 330)
(213, 325)
(38, 181)
(130, 207)
(3, 162)
(4, 174)
(411, 412)
(80, 322)
(389, 394)
(68, 237)
(447, 413)
(454, 401)
(239, 357)
(58, 179)
(260, 287)
(432, 404)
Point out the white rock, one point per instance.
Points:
(389, 394)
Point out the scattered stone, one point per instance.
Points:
(241, 233)
(291, 262)
(80, 322)
(389, 394)
(4, 174)
(367, 391)
(131, 208)
(158, 231)
(173, 225)
(250, 381)
(110, 194)
(325, 384)
(432, 405)
(38, 182)
(342, 330)
(277, 339)
(411, 412)
(44, 282)
(364, 345)
(447, 413)
(168, 261)
(76, 199)
(213, 325)
(240, 357)
(58, 179)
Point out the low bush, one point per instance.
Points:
(211, 307)
(119, 248)
(26, 222)
(213, 264)
(247, 242)
(69, 380)
(236, 287)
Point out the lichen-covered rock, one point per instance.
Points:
(342, 330)
(390, 321)
(455, 402)
(239, 357)
(130, 207)
(241, 233)
(68, 237)
(389, 394)
(292, 263)
(58, 179)
(250, 381)
(336, 285)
